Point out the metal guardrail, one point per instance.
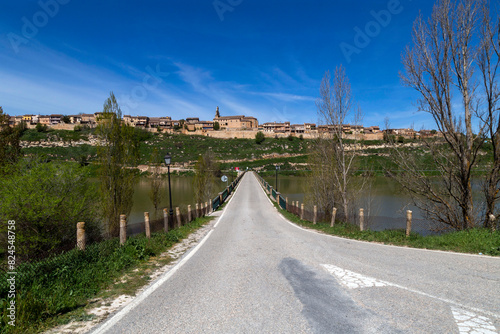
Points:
(282, 202)
(221, 198)
(377, 223)
(215, 203)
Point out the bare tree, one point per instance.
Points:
(489, 62)
(333, 159)
(441, 66)
(156, 182)
(206, 169)
(321, 186)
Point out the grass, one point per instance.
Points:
(187, 148)
(57, 290)
(32, 135)
(184, 148)
(474, 241)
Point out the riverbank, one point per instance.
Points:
(81, 286)
(475, 241)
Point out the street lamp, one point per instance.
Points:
(168, 160)
(277, 168)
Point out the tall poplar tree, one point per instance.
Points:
(116, 152)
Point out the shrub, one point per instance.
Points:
(41, 127)
(46, 200)
(259, 137)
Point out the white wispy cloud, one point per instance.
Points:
(285, 97)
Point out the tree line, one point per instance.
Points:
(47, 198)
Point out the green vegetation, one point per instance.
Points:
(56, 290)
(119, 149)
(469, 241)
(187, 148)
(184, 148)
(259, 137)
(46, 200)
(244, 152)
(9, 141)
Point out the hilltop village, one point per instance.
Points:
(220, 127)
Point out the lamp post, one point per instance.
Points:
(168, 159)
(277, 168)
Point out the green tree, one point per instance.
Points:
(10, 148)
(259, 137)
(66, 119)
(117, 152)
(41, 127)
(216, 126)
(206, 171)
(46, 200)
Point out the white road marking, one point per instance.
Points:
(352, 280)
(349, 277)
(123, 312)
(469, 323)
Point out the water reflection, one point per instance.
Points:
(182, 195)
(384, 202)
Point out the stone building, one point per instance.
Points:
(240, 122)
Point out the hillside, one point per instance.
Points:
(290, 153)
(185, 149)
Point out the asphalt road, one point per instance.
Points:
(257, 273)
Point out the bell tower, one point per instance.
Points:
(217, 114)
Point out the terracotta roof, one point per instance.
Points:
(231, 117)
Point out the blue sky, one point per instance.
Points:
(184, 58)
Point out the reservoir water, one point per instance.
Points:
(384, 203)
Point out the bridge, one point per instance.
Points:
(255, 272)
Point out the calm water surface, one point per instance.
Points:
(182, 196)
(384, 203)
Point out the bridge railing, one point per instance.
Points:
(275, 195)
(314, 214)
(223, 195)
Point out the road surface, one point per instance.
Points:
(257, 273)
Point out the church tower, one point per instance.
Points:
(217, 115)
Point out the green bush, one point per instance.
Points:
(259, 137)
(41, 127)
(46, 200)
